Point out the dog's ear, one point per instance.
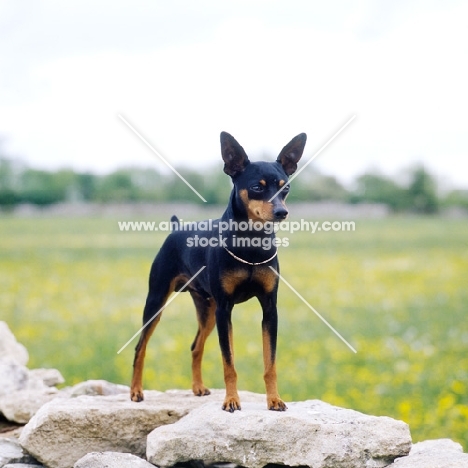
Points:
(234, 157)
(291, 153)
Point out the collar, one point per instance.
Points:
(251, 263)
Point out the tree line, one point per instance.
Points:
(22, 184)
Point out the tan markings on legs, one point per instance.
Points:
(232, 400)
(205, 327)
(136, 389)
(232, 278)
(274, 402)
(136, 393)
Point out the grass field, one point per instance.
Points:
(72, 291)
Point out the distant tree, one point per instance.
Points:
(456, 198)
(150, 184)
(422, 191)
(65, 184)
(313, 187)
(6, 174)
(41, 187)
(376, 188)
(178, 190)
(8, 195)
(116, 187)
(216, 186)
(86, 185)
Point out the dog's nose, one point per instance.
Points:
(280, 214)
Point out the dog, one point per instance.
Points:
(232, 273)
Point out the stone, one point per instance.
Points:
(14, 376)
(66, 429)
(50, 377)
(439, 453)
(98, 387)
(35, 383)
(22, 405)
(12, 452)
(23, 391)
(24, 465)
(436, 446)
(9, 347)
(111, 460)
(310, 433)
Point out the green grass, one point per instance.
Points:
(72, 291)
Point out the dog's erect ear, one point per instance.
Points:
(234, 157)
(291, 153)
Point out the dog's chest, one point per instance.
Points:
(244, 283)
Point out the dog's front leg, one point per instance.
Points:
(224, 325)
(269, 333)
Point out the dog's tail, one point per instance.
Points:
(175, 223)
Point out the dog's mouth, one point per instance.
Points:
(263, 211)
(266, 214)
(259, 219)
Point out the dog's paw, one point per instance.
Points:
(200, 390)
(137, 395)
(231, 403)
(276, 404)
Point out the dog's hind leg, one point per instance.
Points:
(206, 315)
(162, 284)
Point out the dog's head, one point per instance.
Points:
(262, 186)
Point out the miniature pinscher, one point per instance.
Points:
(234, 271)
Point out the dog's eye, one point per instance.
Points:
(286, 189)
(256, 188)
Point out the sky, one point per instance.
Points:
(183, 71)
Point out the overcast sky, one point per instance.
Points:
(263, 70)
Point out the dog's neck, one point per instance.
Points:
(236, 212)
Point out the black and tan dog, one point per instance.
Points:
(233, 273)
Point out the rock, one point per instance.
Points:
(310, 433)
(16, 377)
(25, 391)
(434, 454)
(98, 387)
(111, 459)
(9, 347)
(22, 405)
(12, 452)
(35, 383)
(50, 377)
(13, 376)
(24, 465)
(66, 429)
(436, 446)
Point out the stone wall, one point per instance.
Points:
(94, 424)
